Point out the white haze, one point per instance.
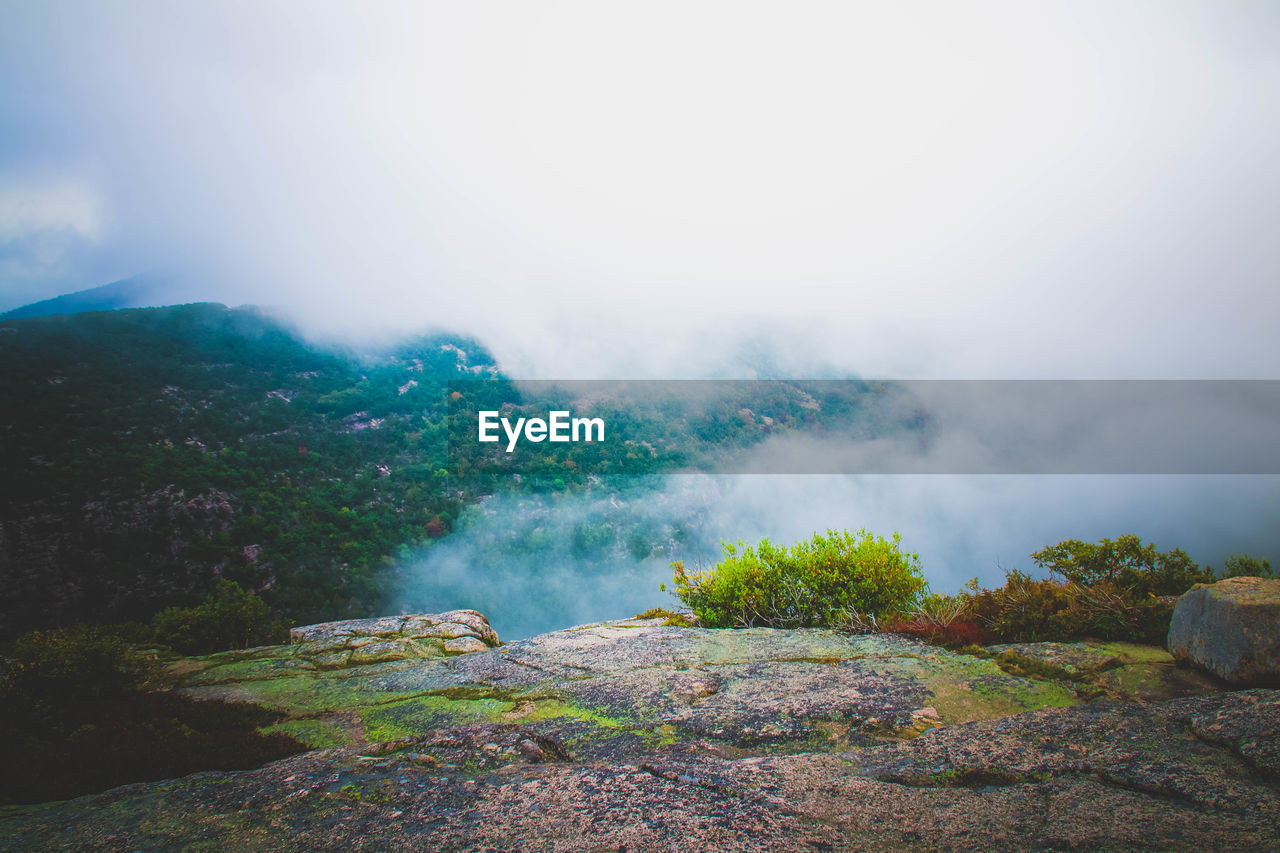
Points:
(521, 558)
(913, 189)
(514, 559)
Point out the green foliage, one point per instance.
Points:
(1245, 566)
(83, 661)
(668, 617)
(146, 451)
(656, 613)
(1030, 610)
(230, 618)
(1119, 589)
(1027, 609)
(811, 584)
(1126, 563)
(1116, 589)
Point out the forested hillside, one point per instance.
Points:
(148, 452)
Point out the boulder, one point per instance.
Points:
(463, 645)
(447, 626)
(1230, 628)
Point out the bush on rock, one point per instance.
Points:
(826, 581)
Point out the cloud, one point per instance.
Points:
(47, 230)
(901, 190)
(52, 208)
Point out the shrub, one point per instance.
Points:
(818, 583)
(45, 668)
(1242, 566)
(1149, 620)
(1137, 570)
(1027, 610)
(230, 618)
(1119, 589)
(957, 634)
(939, 610)
(942, 620)
(1030, 610)
(669, 618)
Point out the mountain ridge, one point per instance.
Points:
(138, 291)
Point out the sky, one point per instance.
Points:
(664, 190)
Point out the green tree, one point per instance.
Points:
(230, 618)
(1243, 565)
(1126, 563)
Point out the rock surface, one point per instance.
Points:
(1230, 628)
(615, 687)
(1124, 670)
(636, 736)
(451, 625)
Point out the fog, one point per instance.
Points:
(906, 190)
(531, 563)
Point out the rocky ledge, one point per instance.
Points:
(632, 735)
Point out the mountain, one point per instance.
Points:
(149, 452)
(135, 292)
